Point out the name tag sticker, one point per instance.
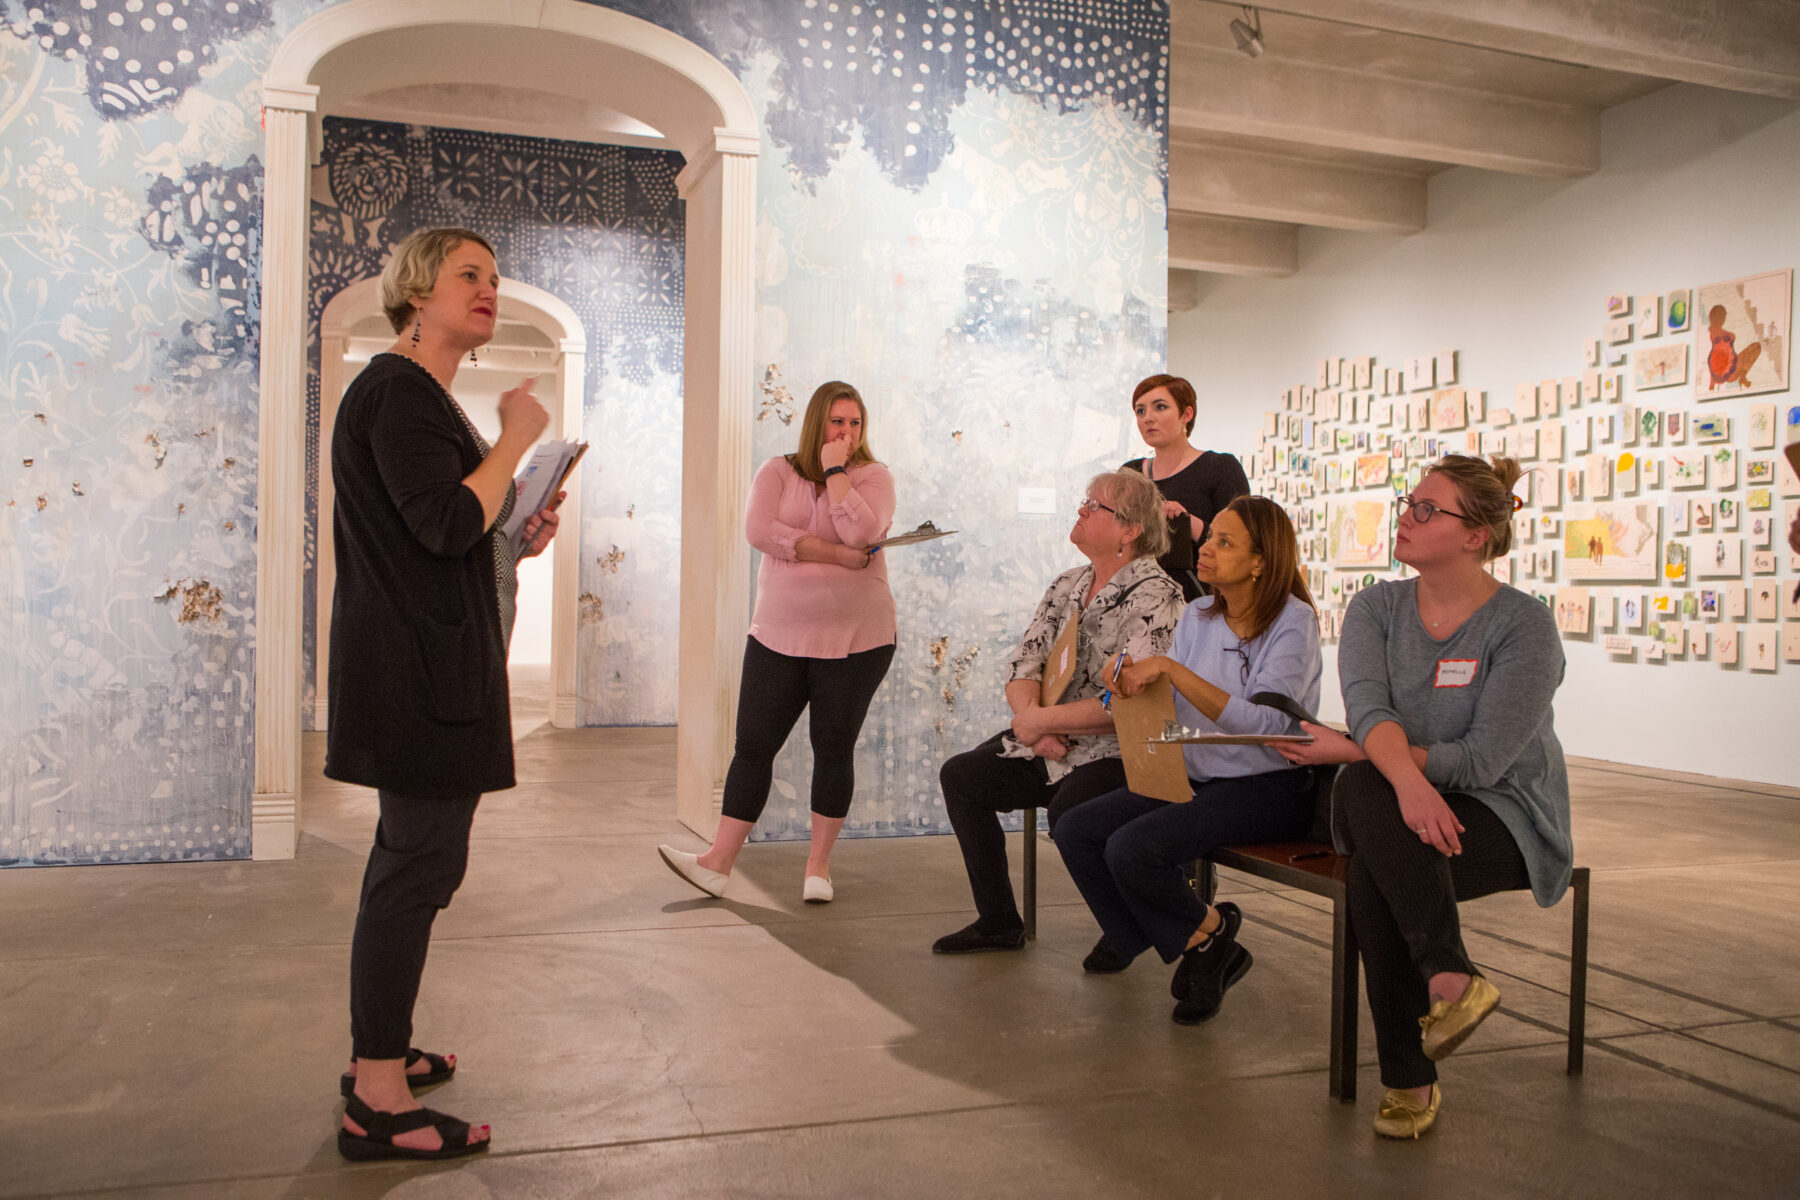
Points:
(1455, 672)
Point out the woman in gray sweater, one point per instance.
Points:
(1455, 785)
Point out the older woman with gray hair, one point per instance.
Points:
(1057, 756)
(419, 628)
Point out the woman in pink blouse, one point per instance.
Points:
(822, 635)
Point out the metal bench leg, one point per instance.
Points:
(1343, 1002)
(1578, 950)
(1029, 909)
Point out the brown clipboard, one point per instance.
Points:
(1151, 769)
(1059, 668)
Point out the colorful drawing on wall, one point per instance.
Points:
(1572, 610)
(1418, 412)
(1687, 468)
(1677, 309)
(1701, 516)
(1724, 468)
(1762, 531)
(1675, 427)
(1649, 316)
(1742, 335)
(1449, 409)
(1610, 541)
(1728, 514)
(1725, 645)
(1371, 470)
(1662, 365)
(1763, 603)
(1631, 610)
(1675, 561)
(1618, 304)
(1758, 499)
(1360, 533)
(1609, 388)
(1712, 428)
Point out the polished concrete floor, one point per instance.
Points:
(176, 1031)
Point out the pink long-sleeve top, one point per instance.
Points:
(819, 610)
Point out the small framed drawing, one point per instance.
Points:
(1687, 469)
(1549, 398)
(1446, 368)
(1763, 605)
(1724, 468)
(1609, 387)
(1675, 428)
(1618, 332)
(1759, 648)
(1712, 428)
(1631, 610)
(1762, 530)
(1700, 516)
(1762, 426)
(1790, 641)
(1618, 304)
(1762, 562)
(1725, 645)
(1677, 311)
(1698, 637)
(1590, 351)
(1728, 514)
(1650, 470)
(1736, 599)
(1649, 316)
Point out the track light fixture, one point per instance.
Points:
(1248, 34)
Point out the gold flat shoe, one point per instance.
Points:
(1450, 1022)
(1402, 1116)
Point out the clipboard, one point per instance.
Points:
(1151, 769)
(912, 537)
(1236, 739)
(1059, 668)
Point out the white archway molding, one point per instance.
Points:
(603, 56)
(519, 302)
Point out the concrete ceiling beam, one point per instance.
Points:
(1221, 182)
(1222, 91)
(1232, 246)
(1738, 45)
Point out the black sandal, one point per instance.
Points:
(381, 1128)
(441, 1071)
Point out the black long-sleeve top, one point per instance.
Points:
(418, 690)
(1203, 487)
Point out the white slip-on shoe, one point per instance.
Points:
(816, 890)
(688, 867)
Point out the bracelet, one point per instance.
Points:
(830, 471)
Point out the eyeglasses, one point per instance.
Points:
(1087, 508)
(1423, 510)
(1244, 660)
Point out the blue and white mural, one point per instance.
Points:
(961, 210)
(599, 227)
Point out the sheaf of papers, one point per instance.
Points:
(534, 486)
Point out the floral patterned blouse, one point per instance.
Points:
(1135, 612)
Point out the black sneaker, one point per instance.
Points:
(1217, 966)
(971, 940)
(1103, 959)
(1230, 918)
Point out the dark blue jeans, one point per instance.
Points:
(1127, 852)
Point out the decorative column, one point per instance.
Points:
(281, 472)
(717, 390)
(565, 607)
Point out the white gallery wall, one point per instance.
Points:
(1695, 187)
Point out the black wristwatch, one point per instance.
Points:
(830, 471)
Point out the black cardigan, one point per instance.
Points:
(419, 701)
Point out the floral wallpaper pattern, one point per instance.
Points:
(601, 228)
(961, 209)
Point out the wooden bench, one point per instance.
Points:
(1315, 868)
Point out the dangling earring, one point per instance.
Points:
(416, 322)
(472, 360)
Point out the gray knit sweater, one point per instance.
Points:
(1478, 701)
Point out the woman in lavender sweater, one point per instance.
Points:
(821, 637)
(1455, 786)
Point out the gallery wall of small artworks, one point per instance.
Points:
(960, 208)
(1638, 365)
(1650, 516)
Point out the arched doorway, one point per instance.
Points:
(597, 56)
(351, 328)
